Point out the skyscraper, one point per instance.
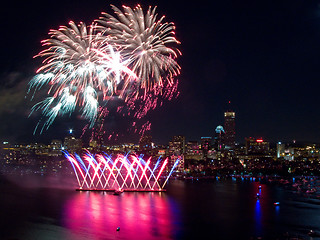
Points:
(280, 149)
(177, 150)
(230, 129)
(205, 146)
(218, 138)
(257, 146)
(193, 151)
(180, 142)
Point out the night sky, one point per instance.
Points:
(263, 56)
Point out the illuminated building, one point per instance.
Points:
(130, 147)
(193, 151)
(41, 149)
(230, 129)
(145, 143)
(93, 144)
(280, 149)
(256, 146)
(205, 146)
(179, 143)
(55, 148)
(177, 150)
(219, 137)
(289, 154)
(285, 151)
(161, 152)
(72, 144)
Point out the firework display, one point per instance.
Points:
(143, 39)
(128, 57)
(125, 172)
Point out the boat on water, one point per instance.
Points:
(118, 191)
(296, 185)
(312, 233)
(312, 190)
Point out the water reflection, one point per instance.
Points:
(97, 215)
(220, 210)
(258, 218)
(261, 207)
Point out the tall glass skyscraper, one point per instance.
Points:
(230, 129)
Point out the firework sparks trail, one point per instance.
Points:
(160, 172)
(144, 40)
(145, 127)
(171, 171)
(78, 68)
(128, 57)
(133, 173)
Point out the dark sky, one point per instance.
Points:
(263, 56)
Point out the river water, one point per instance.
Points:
(188, 210)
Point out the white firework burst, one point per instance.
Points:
(144, 40)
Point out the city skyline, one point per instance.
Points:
(159, 119)
(262, 57)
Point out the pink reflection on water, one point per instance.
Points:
(139, 216)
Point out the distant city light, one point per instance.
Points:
(70, 131)
(219, 129)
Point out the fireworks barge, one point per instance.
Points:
(124, 173)
(124, 190)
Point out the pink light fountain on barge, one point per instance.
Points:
(102, 172)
